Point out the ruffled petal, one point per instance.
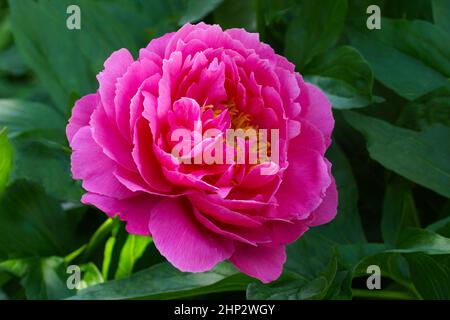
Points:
(316, 108)
(90, 164)
(304, 182)
(183, 241)
(81, 113)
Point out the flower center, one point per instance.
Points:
(241, 120)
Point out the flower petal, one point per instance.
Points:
(316, 108)
(98, 175)
(115, 66)
(81, 113)
(328, 208)
(304, 182)
(183, 241)
(264, 263)
(135, 211)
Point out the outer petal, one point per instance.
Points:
(304, 183)
(115, 66)
(105, 133)
(90, 164)
(316, 108)
(183, 241)
(81, 113)
(311, 138)
(283, 232)
(264, 263)
(135, 211)
(157, 46)
(328, 208)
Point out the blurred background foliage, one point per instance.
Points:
(390, 90)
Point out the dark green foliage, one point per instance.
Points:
(390, 153)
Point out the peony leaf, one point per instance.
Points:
(41, 278)
(37, 136)
(22, 117)
(316, 28)
(236, 14)
(162, 281)
(33, 224)
(441, 227)
(409, 57)
(348, 217)
(399, 210)
(423, 157)
(296, 289)
(430, 275)
(67, 60)
(441, 13)
(197, 9)
(414, 240)
(345, 77)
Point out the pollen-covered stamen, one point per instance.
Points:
(258, 144)
(239, 119)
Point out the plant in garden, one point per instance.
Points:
(390, 96)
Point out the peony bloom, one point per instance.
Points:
(199, 214)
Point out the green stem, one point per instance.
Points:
(99, 236)
(383, 294)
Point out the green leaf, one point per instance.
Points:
(399, 210)
(67, 60)
(41, 278)
(197, 9)
(344, 75)
(5, 160)
(300, 289)
(430, 275)
(276, 10)
(423, 157)
(315, 29)
(409, 57)
(45, 279)
(132, 250)
(347, 217)
(31, 223)
(414, 240)
(21, 117)
(38, 138)
(441, 227)
(5, 33)
(90, 275)
(441, 13)
(11, 62)
(47, 164)
(162, 281)
(393, 266)
(392, 262)
(236, 14)
(431, 109)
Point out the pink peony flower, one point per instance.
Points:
(202, 214)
